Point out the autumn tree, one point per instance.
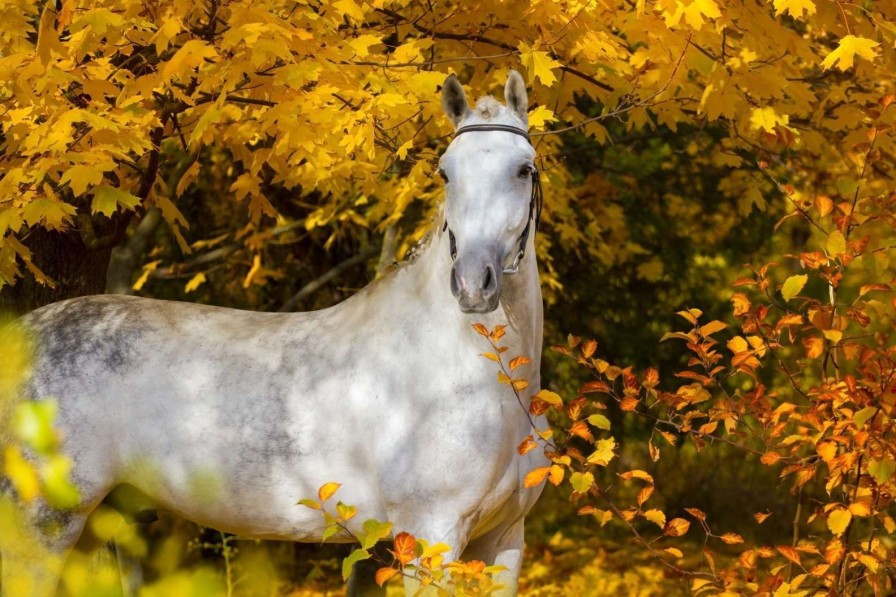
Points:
(217, 148)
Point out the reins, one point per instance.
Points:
(535, 203)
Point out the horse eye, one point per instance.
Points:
(443, 175)
(525, 171)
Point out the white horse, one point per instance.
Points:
(228, 417)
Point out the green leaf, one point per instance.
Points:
(33, 424)
(581, 482)
(599, 421)
(329, 532)
(356, 556)
(881, 470)
(836, 244)
(793, 285)
(59, 491)
(863, 415)
(374, 531)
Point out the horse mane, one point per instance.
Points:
(488, 107)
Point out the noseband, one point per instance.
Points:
(535, 203)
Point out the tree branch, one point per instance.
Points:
(314, 285)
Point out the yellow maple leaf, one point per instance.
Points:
(80, 176)
(767, 119)
(539, 116)
(195, 282)
(695, 13)
(189, 56)
(796, 8)
(361, 44)
(538, 64)
(846, 51)
(348, 7)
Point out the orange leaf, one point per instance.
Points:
(645, 494)
(712, 327)
(637, 474)
(556, 474)
(535, 477)
(696, 513)
(491, 356)
(770, 458)
(628, 403)
(741, 304)
(860, 509)
(384, 574)
(761, 516)
(580, 429)
(588, 348)
(814, 346)
(526, 446)
(674, 552)
(834, 551)
(732, 538)
(789, 553)
(869, 287)
(404, 546)
(481, 329)
(519, 362)
(595, 386)
(676, 527)
(497, 333)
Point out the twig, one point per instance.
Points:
(312, 286)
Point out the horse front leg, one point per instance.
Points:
(34, 543)
(503, 547)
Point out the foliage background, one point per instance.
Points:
(279, 155)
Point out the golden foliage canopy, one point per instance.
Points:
(337, 101)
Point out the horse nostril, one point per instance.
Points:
(455, 287)
(490, 282)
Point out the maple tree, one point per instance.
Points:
(194, 143)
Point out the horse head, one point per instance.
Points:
(491, 191)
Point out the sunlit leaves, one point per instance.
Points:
(766, 119)
(732, 538)
(657, 517)
(676, 527)
(847, 49)
(357, 555)
(404, 548)
(793, 285)
(538, 63)
(797, 8)
(384, 574)
(838, 520)
(536, 477)
(327, 490)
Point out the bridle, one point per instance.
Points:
(535, 203)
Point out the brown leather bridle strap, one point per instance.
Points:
(506, 128)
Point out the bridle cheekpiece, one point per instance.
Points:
(535, 203)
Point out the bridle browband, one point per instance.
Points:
(535, 203)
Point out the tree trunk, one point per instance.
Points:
(66, 258)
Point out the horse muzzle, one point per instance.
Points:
(476, 284)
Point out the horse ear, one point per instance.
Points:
(454, 100)
(516, 97)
